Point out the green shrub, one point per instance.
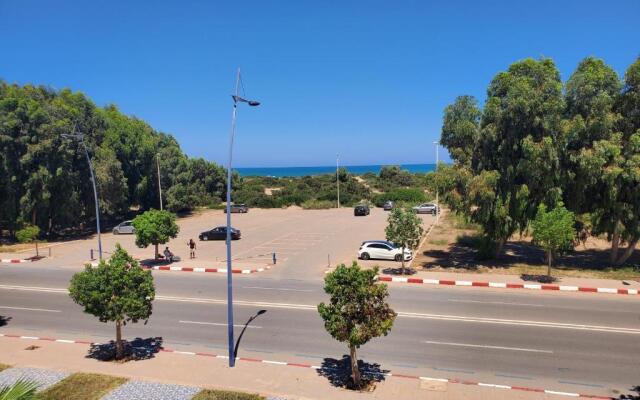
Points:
(318, 204)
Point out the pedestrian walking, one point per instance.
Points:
(192, 248)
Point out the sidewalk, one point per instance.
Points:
(274, 379)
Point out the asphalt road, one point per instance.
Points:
(573, 342)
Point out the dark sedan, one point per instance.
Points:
(219, 233)
(238, 208)
(361, 209)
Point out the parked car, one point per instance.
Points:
(361, 209)
(426, 208)
(388, 205)
(237, 208)
(383, 250)
(219, 233)
(125, 227)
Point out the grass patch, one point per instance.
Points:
(82, 386)
(318, 204)
(460, 222)
(211, 394)
(4, 366)
(439, 242)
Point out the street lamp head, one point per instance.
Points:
(237, 99)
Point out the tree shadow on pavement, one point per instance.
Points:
(4, 320)
(631, 396)
(398, 271)
(134, 350)
(338, 372)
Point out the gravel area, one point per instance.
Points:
(43, 377)
(140, 390)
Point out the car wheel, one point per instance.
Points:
(365, 256)
(205, 237)
(115, 232)
(398, 257)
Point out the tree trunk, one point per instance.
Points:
(402, 258)
(550, 259)
(615, 243)
(628, 252)
(156, 251)
(499, 246)
(37, 255)
(355, 372)
(119, 347)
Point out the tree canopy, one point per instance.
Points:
(404, 229)
(553, 230)
(357, 310)
(155, 227)
(117, 291)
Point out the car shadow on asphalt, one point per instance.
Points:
(4, 320)
(338, 372)
(134, 350)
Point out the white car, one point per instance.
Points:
(383, 250)
(426, 208)
(125, 227)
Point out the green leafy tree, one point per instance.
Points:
(29, 234)
(112, 184)
(22, 389)
(404, 229)
(554, 231)
(117, 291)
(357, 310)
(155, 227)
(461, 128)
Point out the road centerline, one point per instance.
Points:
(480, 346)
(275, 288)
(217, 324)
(30, 309)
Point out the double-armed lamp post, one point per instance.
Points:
(236, 99)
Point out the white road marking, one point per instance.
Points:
(29, 309)
(496, 302)
(487, 347)
(218, 324)
(459, 318)
(272, 288)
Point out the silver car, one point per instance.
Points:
(125, 227)
(426, 208)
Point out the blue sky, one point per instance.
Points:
(366, 79)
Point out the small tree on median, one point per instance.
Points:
(29, 234)
(404, 229)
(357, 311)
(117, 291)
(155, 227)
(553, 231)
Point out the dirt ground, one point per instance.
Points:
(449, 248)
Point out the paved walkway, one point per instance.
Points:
(182, 375)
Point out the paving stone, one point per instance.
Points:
(43, 377)
(141, 390)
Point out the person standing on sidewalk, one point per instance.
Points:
(192, 248)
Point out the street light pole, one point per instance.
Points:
(159, 184)
(338, 178)
(80, 137)
(437, 191)
(236, 99)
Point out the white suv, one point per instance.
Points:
(382, 249)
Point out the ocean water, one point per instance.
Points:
(305, 171)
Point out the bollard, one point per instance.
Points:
(274, 258)
(49, 251)
(91, 254)
(328, 261)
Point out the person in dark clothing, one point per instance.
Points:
(192, 248)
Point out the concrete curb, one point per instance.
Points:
(503, 285)
(301, 365)
(15, 261)
(199, 269)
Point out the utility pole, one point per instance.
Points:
(437, 191)
(159, 184)
(338, 178)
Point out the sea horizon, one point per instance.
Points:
(280, 172)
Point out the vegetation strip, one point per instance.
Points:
(389, 374)
(82, 386)
(503, 285)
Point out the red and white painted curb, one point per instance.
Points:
(301, 365)
(218, 270)
(503, 285)
(198, 269)
(15, 260)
